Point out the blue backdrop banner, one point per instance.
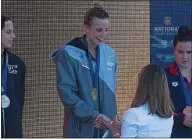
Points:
(166, 16)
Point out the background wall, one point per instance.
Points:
(42, 26)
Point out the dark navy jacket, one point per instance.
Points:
(178, 99)
(15, 92)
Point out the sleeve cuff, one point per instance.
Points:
(178, 118)
(175, 114)
(94, 116)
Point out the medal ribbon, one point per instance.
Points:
(4, 75)
(94, 75)
(4, 84)
(187, 91)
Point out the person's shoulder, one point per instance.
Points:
(132, 115)
(166, 69)
(108, 48)
(132, 111)
(15, 59)
(171, 70)
(76, 44)
(141, 110)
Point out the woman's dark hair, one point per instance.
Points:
(153, 90)
(3, 20)
(96, 12)
(184, 34)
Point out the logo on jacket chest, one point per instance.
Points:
(13, 69)
(110, 63)
(175, 84)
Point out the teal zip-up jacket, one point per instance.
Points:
(74, 85)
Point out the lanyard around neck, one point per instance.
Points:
(4, 74)
(94, 75)
(187, 91)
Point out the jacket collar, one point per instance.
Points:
(173, 69)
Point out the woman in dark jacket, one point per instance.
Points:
(179, 77)
(12, 84)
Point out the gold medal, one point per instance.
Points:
(94, 94)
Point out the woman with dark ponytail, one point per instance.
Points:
(179, 75)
